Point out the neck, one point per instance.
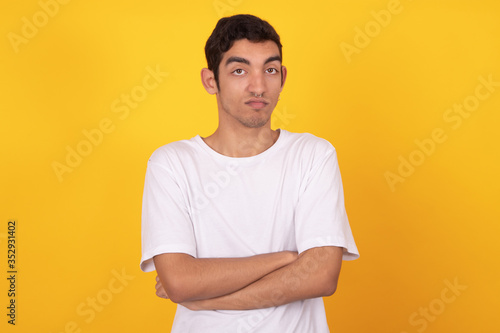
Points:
(243, 142)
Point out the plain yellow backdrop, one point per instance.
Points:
(407, 91)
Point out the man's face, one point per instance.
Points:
(250, 81)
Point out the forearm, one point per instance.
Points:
(313, 274)
(186, 278)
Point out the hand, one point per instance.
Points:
(160, 291)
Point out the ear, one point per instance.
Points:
(283, 77)
(208, 81)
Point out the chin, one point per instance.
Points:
(254, 123)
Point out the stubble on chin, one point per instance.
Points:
(253, 123)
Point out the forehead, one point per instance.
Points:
(253, 51)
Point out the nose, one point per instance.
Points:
(257, 84)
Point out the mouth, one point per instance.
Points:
(256, 103)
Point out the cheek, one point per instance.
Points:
(275, 84)
(231, 87)
(228, 96)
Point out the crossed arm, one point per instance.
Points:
(248, 283)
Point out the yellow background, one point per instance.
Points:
(75, 235)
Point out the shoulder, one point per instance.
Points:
(307, 142)
(174, 151)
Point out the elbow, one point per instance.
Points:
(173, 272)
(178, 299)
(176, 296)
(330, 287)
(329, 282)
(180, 295)
(177, 291)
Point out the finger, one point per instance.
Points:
(161, 293)
(158, 283)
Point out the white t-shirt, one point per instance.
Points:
(289, 197)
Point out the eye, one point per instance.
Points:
(239, 71)
(272, 70)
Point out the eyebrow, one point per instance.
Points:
(271, 59)
(247, 62)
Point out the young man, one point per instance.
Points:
(246, 228)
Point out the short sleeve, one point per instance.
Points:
(166, 224)
(320, 216)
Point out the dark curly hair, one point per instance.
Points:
(233, 28)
